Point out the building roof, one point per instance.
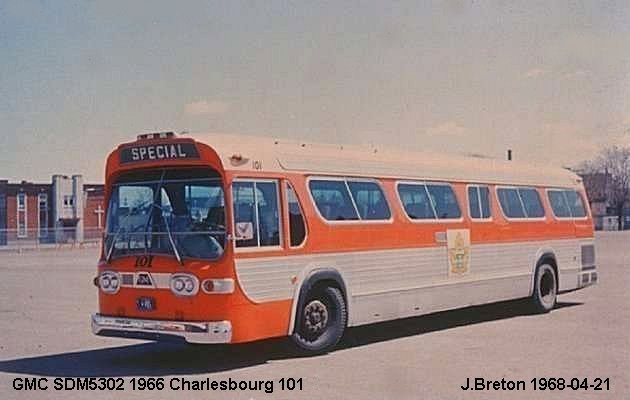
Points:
(280, 155)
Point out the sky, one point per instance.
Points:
(548, 79)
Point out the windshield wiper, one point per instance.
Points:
(158, 192)
(110, 251)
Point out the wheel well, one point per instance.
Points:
(550, 259)
(317, 280)
(322, 283)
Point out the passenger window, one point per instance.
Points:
(559, 204)
(484, 197)
(575, 204)
(473, 202)
(415, 201)
(531, 202)
(444, 201)
(297, 227)
(479, 202)
(510, 203)
(333, 200)
(256, 214)
(370, 200)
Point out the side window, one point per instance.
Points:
(510, 203)
(575, 204)
(479, 202)
(415, 201)
(484, 196)
(297, 228)
(268, 213)
(531, 202)
(444, 201)
(370, 200)
(256, 214)
(558, 204)
(333, 200)
(566, 203)
(245, 221)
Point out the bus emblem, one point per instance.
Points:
(458, 251)
(143, 279)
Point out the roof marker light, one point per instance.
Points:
(156, 135)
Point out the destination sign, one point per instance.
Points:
(157, 152)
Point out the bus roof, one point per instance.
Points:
(281, 155)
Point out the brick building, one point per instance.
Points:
(65, 210)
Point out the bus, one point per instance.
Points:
(215, 238)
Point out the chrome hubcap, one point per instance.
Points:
(315, 316)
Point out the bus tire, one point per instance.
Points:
(545, 289)
(320, 323)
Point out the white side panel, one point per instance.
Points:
(392, 305)
(404, 282)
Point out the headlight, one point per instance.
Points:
(109, 282)
(184, 285)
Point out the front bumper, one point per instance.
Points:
(191, 332)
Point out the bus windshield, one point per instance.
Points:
(182, 214)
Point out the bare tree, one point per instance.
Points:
(595, 180)
(616, 161)
(609, 175)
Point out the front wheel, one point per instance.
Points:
(321, 321)
(545, 289)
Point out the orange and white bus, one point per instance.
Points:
(230, 239)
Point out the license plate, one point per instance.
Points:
(145, 303)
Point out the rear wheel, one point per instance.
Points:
(545, 289)
(321, 321)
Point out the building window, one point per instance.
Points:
(68, 201)
(21, 215)
(479, 202)
(42, 201)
